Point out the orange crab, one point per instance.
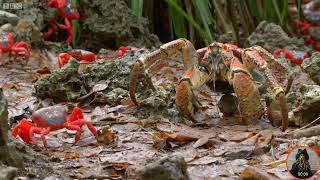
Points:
(217, 63)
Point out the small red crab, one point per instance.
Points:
(51, 119)
(296, 57)
(310, 26)
(67, 10)
(81, 55)
(311, 33)
(7, 45)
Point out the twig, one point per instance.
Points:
(308, 125)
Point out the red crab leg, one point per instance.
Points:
(21, 47)
(63, 58)
(75, 115)
(68, 27)
(42, 132)
(75, 122)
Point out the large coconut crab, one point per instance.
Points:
(217, 62)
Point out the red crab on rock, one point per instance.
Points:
(123, 49)
(51, 119)
(69, 12)
(310, 25)
(295, 57)
(81, 55)
(7, 45)
(225, 65)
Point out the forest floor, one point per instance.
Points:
(213, 148)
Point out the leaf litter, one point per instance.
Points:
(211, 149)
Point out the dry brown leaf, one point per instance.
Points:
(173, 79)
(255, 173)
(167, 70)
(200, 142)
(276, 163)
(10, 85)
(205, 95)
(119, 168)
(71, 155)
(162, 84)
(181, 137)
(252, 140)
(44, 70)
(127, 102)
(105, 136)
(93, 154)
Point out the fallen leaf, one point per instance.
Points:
(105, 136)
(205, 160)
(99, 87)
(127, 102)
(164, 85)
(71, 155)
(200, 142)
(276, 163)
(173, 79)
(255, 173)
(44, 70)
(10, 85)
(252, 140)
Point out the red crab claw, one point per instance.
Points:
(26, 130)
(120, 52)
(63, 59)
(82, 55)
(296, 57)
(21, 47)
(22, 130)
(51, 29)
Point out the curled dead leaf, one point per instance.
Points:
(163, 139)
(44, 70)
(71, 155)
(10, 85)
(105, 136)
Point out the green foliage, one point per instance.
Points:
(137, 7)
(175, 12)
(272, 11)
(194, 19)
(75, 24)
(76, 32)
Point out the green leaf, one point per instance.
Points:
(205, 14)
(76, 33)
(174, 22)
(180, 11)
(137, 7)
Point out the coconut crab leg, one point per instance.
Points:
(257, 57)
(152, 63)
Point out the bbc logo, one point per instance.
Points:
(12, 6)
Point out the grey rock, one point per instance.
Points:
(312, 67)
(272, 37)
(169, 168)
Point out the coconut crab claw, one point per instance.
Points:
(153, 62)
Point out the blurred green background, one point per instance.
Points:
(205, 21)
